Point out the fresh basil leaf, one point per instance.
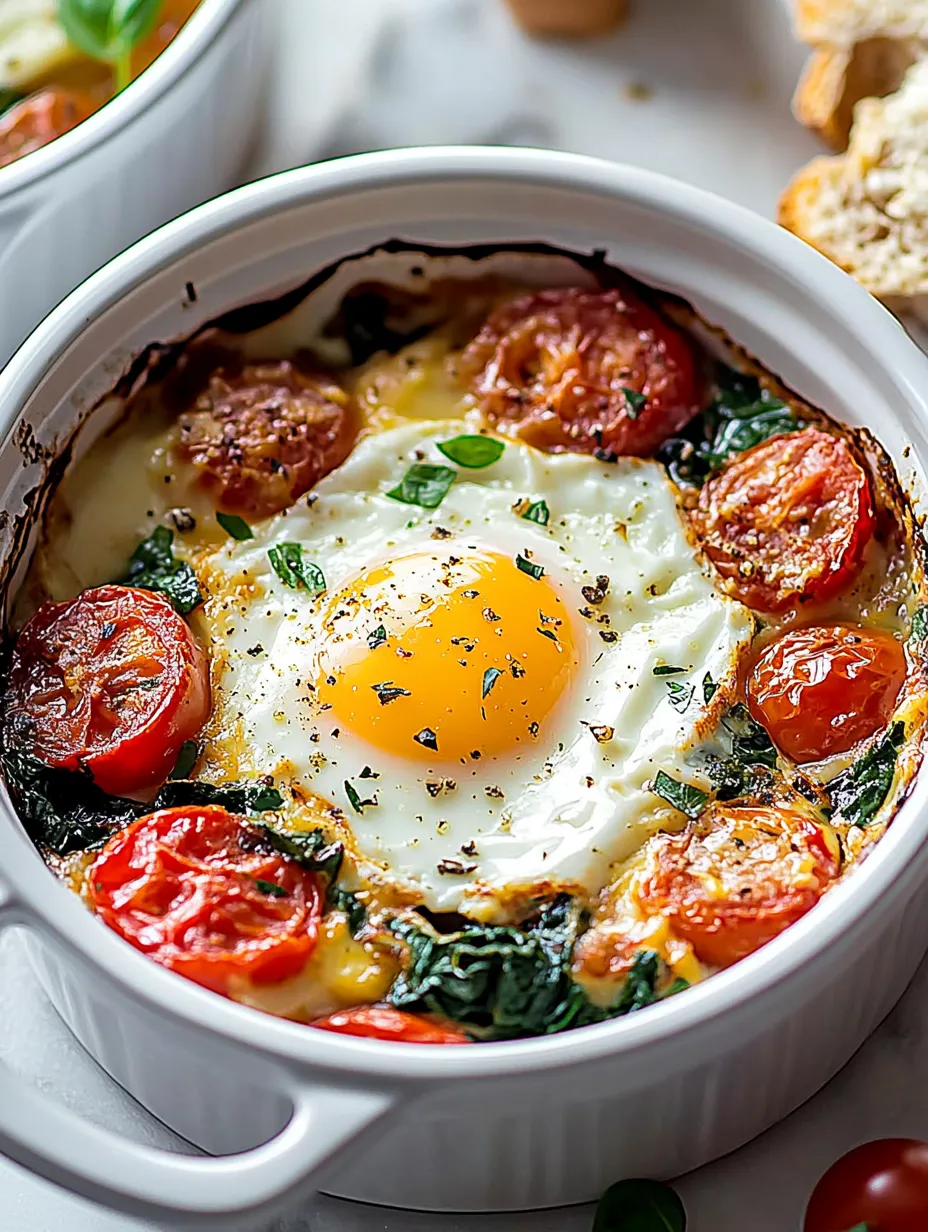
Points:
(271, 888)
(639, 1206)
(288, 563)
(664, 669)
(502, 982)
(634, 402)
(108, 30)
(526, 566)
(709, 688)
(683, 796)
(424, 484)
(919, 627)
(859, 791)
(9, 98)
(741, 415)
(311, 850)
(237, 527)
(537, 511)
(472, 452)
(186, 760)
(153, 566)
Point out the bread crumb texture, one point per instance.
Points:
(867, 209)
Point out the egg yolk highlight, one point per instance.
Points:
(449, 655)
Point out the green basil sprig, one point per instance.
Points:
(108, 30)
(424, 484)
(639, 1206)
(473, 452)
(295, 572)
(235, 526)
(683, 796)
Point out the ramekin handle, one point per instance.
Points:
(231, 1193)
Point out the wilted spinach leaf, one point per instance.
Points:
(741, 415)
(60, 810)
(859, 791)
(639, 1206)
(311, 849)
(153, 566)
(752, 756)
(503, 982)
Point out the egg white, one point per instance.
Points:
(560, 812)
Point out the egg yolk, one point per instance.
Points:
(448, 655)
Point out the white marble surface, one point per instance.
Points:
(699, 90)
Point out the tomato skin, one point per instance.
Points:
(787, 522)
(112, 682)
(181, 885)
(820, 690)
(262, 437)
(883, 1184)
(382, 1022)
(737, 877)
(39, 119)
(554, 367)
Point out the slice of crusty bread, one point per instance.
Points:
(842, 23)
(835, 79)
(867, 209)
(568, 17)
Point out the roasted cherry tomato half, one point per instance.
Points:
(820, 690)
(201, 892)
(39, 119)
(112, 682)
(382, 1022)
(583, 370)
(262, 437)
(737, 877)
(881, 1185)
(787, 521)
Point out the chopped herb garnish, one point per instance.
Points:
(490, 677)
(153, 566)
(472, 452)
(368, 773)
(237, 527)
(858, 793)
(683, 796)
(295, 572)
(709, 688)
(680, 694)
(355, 800)
(538, 512)
(427, 739)
(424, 484)
(920, 624)
(749, 741)
(634, 401)
(547, 633)
(271, 888)
(533, 570)
(186, 760)
(639, 1206)
(377, 638)
(663, 669)
(389, 692)
(310, 848)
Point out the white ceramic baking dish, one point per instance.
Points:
(497, 1126)
(176, 136)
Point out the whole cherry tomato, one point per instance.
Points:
(819, 691)
(201, 892)
(882, 1185)
(112, 682)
